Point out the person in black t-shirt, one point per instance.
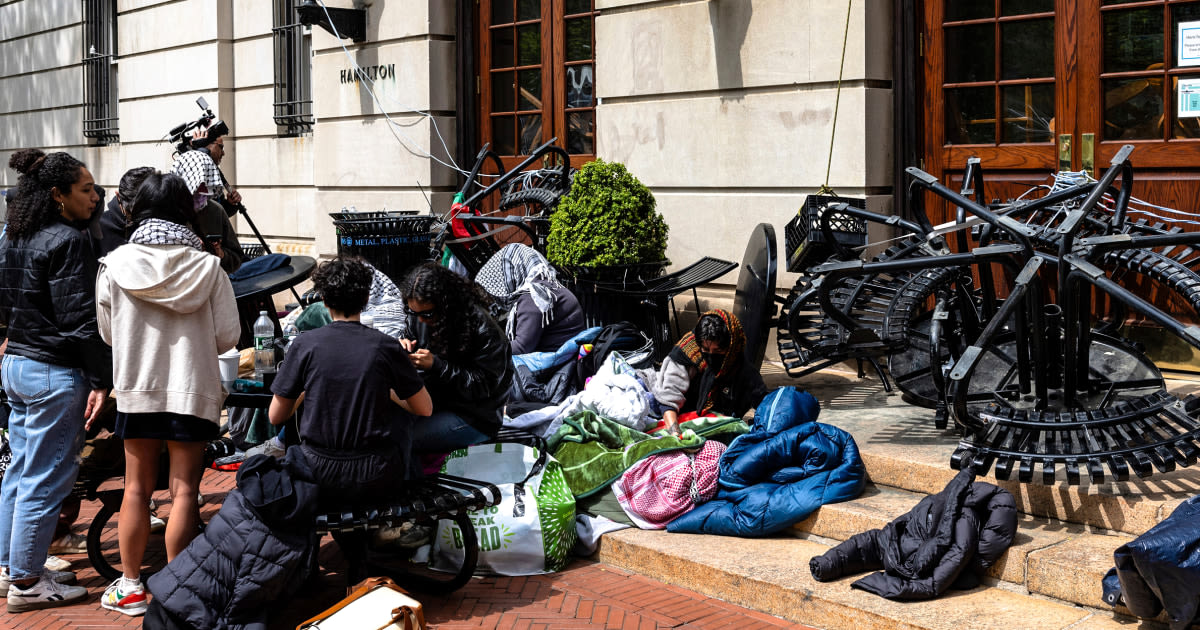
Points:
(351, 431)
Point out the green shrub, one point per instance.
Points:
(607, 218)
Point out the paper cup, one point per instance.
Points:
(229, 367)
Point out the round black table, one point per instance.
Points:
(274, 281)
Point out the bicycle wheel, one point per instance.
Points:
(103, 549)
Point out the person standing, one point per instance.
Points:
(204, 182)
(56, 369)
(167, 309)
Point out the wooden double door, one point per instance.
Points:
(1036, 86)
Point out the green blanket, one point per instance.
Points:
(594, 451)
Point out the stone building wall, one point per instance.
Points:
(723, 107)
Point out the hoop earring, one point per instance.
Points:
(62, 208)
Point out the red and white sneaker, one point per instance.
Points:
(127, 597)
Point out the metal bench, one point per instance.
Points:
(425, 502)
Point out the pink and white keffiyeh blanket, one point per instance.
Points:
(658, 489)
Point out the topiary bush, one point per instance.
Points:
(607, 218)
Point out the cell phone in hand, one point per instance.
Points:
(213, 239)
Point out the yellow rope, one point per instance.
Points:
(825, 189)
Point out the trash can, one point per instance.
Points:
(392, 241)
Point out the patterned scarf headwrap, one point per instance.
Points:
(518, 269)
(162, 232)
(197, 167)
(687, 351)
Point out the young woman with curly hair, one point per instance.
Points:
(463, 355)
(56, 368)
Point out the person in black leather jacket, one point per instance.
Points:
(56, 369)
(463, 355)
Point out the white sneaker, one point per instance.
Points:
(54, 563)
(157, 524)
(62, 577)
(271, 447)
(45, 593)
(126, 597)
(69, 544)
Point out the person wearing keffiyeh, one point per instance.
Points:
(542, 313)
(706, 372)
(167, 310)
(203, 181)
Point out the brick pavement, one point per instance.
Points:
(585, 595)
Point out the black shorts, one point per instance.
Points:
(165, 426)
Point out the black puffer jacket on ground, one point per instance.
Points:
(948, 539)
(1160, 570)
(48, 301)
(255, 552)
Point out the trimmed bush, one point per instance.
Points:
(607, 218)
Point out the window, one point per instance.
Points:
(99, 71)
(293, 71)
(538, 75)
(999, 61)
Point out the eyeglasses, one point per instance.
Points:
(421, 314)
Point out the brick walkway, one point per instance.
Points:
(586, 595)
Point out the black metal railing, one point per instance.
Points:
(293, 71)
(99, 71)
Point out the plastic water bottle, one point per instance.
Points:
(290, 332)
(264, 347)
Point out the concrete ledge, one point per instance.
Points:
(902, 449)
(772, 575)
(1060, 560)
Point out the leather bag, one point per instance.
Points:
(374, 604)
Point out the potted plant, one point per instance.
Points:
(607, 226)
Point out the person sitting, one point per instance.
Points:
(706, 372)
(351, 434)
(204, 182)
(114, 223)
(542, 314)
(463, 355)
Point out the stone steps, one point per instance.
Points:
(1064, 561)
(771, 575)
(902, 449)
(1049, 578)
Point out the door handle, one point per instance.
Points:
(1064, 152)
(1087, 153)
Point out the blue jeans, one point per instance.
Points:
(45, 431)
(443, 432)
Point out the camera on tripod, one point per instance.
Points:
(215, 129)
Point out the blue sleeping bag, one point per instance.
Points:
(773, 477)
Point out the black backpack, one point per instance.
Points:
(633, 344)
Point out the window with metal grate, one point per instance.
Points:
(293, 71)
(100, 71)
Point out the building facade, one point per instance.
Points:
(724, 108)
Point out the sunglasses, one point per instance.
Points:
(421, 314)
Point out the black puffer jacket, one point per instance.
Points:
(948, 539)
(472, 384)
(48, 301)
(257, 549)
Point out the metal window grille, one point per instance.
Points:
(293, 71)
(99, 71)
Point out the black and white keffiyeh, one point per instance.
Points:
(161, 232)
(518, 269)
(197, 167)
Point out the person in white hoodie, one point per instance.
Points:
(167, 309)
